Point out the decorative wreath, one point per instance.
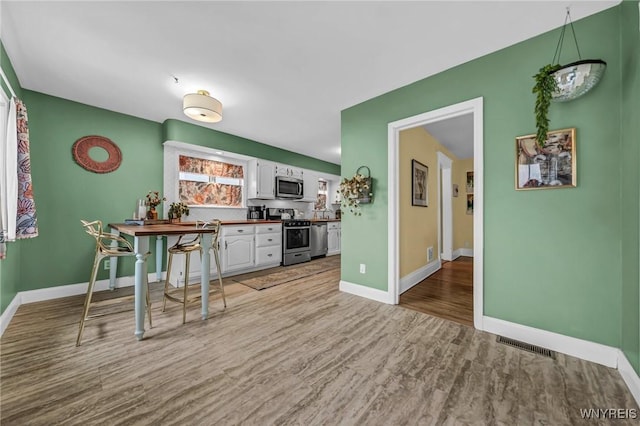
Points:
(80, 151)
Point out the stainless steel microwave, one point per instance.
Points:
(289, 188)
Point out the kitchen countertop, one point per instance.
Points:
(325, 220)
(248, 221)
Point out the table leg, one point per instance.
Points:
(204, 273)
(113, 263)
(141, 247)
(159, 253)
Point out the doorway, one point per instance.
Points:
(475, 108)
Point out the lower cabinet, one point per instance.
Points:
(333, 238)
(243, 248)
(237, 253)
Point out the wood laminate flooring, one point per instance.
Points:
(301, 353)
(448, 293)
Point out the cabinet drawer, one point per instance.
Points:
(268, 229)
(266, 255)
(264, 240)
(237, 230)
(333, 225)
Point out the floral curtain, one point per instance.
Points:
(207, 192)
(17, 205)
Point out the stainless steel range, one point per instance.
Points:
(295, 236)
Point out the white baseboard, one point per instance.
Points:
(467, 252)
(418, 275)
(583, 349)
(366, 292)
(42, 294)
(629, 376)
(8, 313)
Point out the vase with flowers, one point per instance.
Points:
(153, 200)
(176, 211)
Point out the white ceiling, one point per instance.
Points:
(456, 134)
(283, 70)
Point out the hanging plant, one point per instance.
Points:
(544, 88)
(355, 191)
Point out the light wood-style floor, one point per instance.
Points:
(448, 293)
(300, 353)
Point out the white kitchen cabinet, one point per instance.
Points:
(285, 170)
(268, 243)
(261, 180)
(237, 252)
(333, 238)
(310, 186)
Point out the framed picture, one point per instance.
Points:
(469, 182)
(420, 176)
(455, 190)
(552, 165)
(469, 203)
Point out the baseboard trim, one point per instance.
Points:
(467, 252)
(42, 294)
(583, 349)
(418, 275)
(8, 313)
(629, 376)
(366, 292)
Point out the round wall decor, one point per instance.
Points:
(81, 149)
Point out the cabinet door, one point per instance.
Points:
(266, 175)
(238, 253)
(333, 241)
(310, 186)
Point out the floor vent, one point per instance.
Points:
(527, 347)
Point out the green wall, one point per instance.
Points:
(551, 257)
(9, 267)
(630, 190)
(176, 130)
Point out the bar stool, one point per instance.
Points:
(104, 248)
(187, 248)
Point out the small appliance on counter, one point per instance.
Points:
(256, 212)
(338, 214)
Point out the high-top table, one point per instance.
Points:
(141, 234)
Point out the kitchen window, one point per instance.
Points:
(211, 183)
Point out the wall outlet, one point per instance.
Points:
(363, 268)
(429, 254)
(107, 264)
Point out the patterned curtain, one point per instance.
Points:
(26, 221)
(18, 218)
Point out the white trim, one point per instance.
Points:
(366, 292)
(583, 349)
(629, 376)
(467, 252)
(419, 274)
(475, 107)
(8, 313)
(445, 211)
(6, 81)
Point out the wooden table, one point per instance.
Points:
(141, 234)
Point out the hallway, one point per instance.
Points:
(447, 294)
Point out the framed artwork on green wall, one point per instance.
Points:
(552, 165)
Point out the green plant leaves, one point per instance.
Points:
(544, 87)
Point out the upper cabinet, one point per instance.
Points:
(284, 170)
(310, 186)
(261, 179)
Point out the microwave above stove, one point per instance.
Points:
(289, 188)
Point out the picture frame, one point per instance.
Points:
(551, 166)
(470, 182)
(455, 190)
(419, 181)
(470, 204)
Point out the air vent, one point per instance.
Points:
(527, 347)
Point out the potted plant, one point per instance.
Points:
(355, 191)
(177, 210)
(545, 86)
(153, 199)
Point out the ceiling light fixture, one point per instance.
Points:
(577, 78)
(202, 107)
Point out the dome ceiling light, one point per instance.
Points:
(202, 107)
(577, 78)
